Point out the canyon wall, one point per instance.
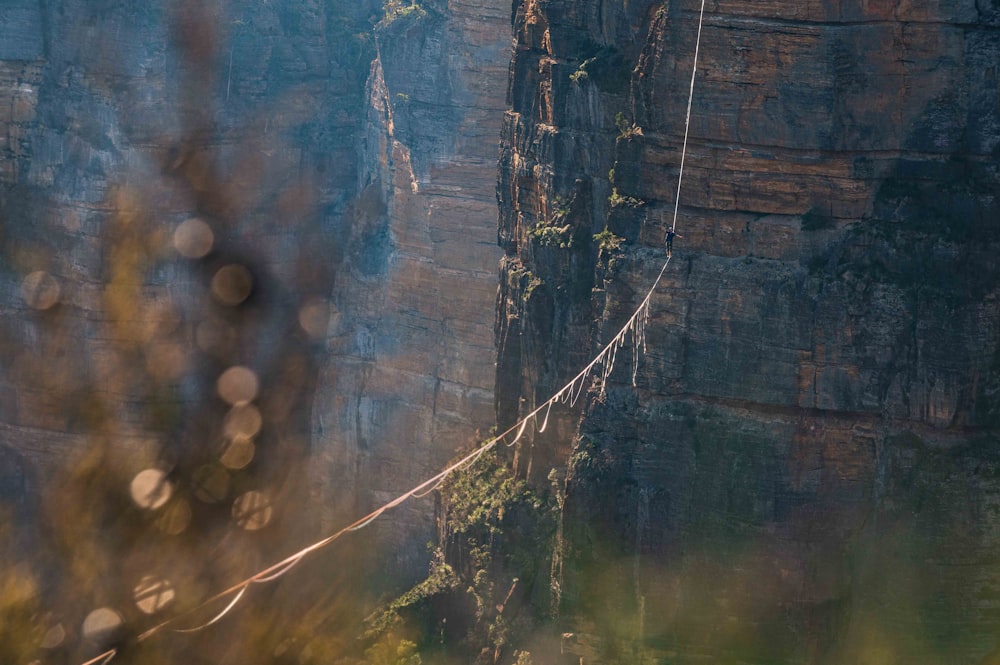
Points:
(176, 183)
(306, 190)
(805, 469)
(409, 378)
(118, 124)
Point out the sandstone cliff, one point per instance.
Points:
(409, 378)
(804, 471)
(350, 264)
(118, 123)
(120, 119)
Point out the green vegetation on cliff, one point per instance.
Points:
(487, 593)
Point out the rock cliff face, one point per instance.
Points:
(410, 376)
(805, 469)
(117, 123)
(363, 215)
(163, 113)
(119, 119)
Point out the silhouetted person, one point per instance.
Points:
(669, 240)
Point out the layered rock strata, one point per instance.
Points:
(803, 471)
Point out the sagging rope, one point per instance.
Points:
(568, 394)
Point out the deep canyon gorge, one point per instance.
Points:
(291, 259)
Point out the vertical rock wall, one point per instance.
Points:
(119, 121)
(410, 375)
(109, 108)
(365, 214)
(804, 470)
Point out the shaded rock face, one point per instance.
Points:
(365, 213)
(410, 375)
(804, 469)
(119, 122)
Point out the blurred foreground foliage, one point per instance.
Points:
(158, 351)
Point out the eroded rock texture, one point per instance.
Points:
(410, 377)
(119, 121)
(117, 124)
(806, 468)
(350, 172)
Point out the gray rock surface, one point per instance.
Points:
(409, 380)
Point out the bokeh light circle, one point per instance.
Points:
(242, 422)
(252, 510)
(232, 284)
(101, 624)
(53, 637)
(193, 238)
(238, 385)
(313, 317)
(40, 290)
(210, 483)
(150, 489)
(238, 453)
(175, 518)
(152, 594)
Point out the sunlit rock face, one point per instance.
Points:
(410, 376)
(805, 468)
